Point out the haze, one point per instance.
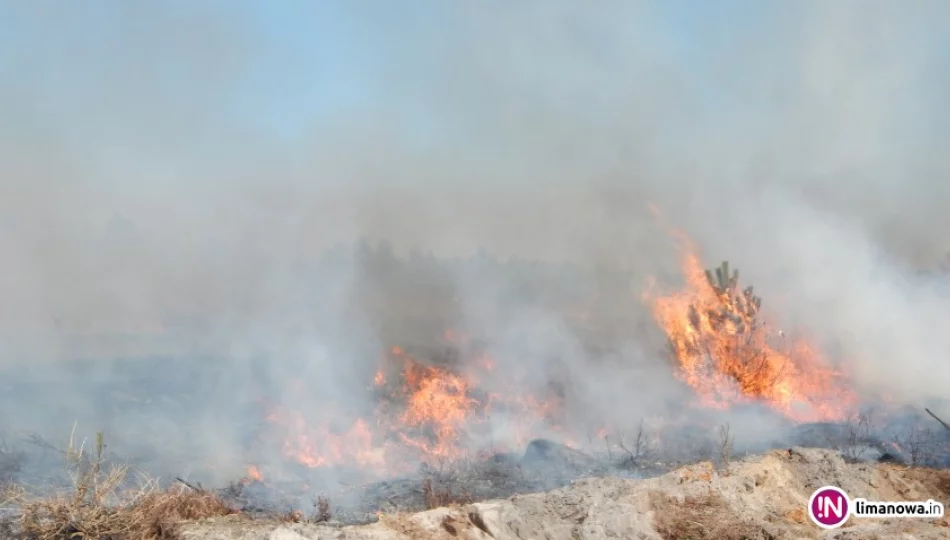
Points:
(182, 161)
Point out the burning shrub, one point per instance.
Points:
(724, 350)
(738, 310)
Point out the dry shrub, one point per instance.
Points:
(321, 510)
(706, 517)
(436, 497)
(97, 507)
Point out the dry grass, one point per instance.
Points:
(99, 506)
(725, 445)
(706, 517)
(148, 516)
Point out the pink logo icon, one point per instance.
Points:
(829, 507)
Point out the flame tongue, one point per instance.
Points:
(423, 411)
(729, 356)
(439, 400)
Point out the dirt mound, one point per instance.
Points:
(760, 497)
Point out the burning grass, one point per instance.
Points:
(436, 412)
(427, 411)
(100, 506)
(429, 408)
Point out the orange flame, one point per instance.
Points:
(728, 356)
(254, 474)
(319, 446)
(431, 412)
(426, 412)
(439, 400)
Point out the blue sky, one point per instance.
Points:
(283, 72)
(301, 62)
(314, 64)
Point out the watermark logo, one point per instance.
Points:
(830, 507)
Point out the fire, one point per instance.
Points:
(254, 474)
(485, 362)
(455, 337)
(729, 356)
(425, 411)
(319, 443)
(430, 411)
(439, 400)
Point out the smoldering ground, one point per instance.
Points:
(174, 175)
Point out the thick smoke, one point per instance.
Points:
(173, 177)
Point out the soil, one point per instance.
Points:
(759, 497)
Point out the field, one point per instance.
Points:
(418, 399)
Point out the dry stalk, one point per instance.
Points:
(638, 451)
(859, 431)
(921, 445)
(726, 440)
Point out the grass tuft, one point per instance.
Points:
(100, 506)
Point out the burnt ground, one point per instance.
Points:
(146, 410)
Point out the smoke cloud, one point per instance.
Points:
(187, 181)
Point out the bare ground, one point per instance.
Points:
(760, 497)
